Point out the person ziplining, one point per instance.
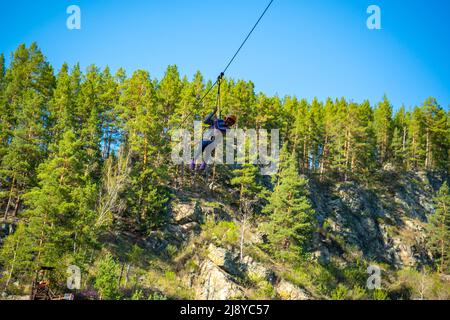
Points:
(214, 123)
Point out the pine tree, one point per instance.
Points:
(416, 141)
(246, 178)
(188, 108)
(61, 208)
(142, 126)
(62, 105)
(4, 114)
(59, 211)
(398, 153)
(109, 99)
(436, 135)
(337, 136)
(107, 278)
(168, 92)
(399, 138)
(261, 114)
(327, 123)
(241, 102)
(16, 255)
(290, 106)
(447, 166)
(290, 216)
(89, 117)
(316, 132)
(307, 134)
(2, 68)
(439, 230)
(18, 167)
(360, 144)
(301, 135)
(29, 87)
(383, 129)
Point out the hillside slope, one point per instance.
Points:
(382, 224)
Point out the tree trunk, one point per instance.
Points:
(11, 271)
(404, 139)
(16, 208)
(127, 274)
(444, 214)
(347, 148)
(305, 156)
(241, 245)
(182, 175)
(145, 152)
(41, 240)
(427, 159)
(414, 152)
(323, 159)
(121, 274)
(10, 198)
(75, 243)
(108, 143)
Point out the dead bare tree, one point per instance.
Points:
(115, 180)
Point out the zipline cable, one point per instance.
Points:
(222, 74)
(248, 36)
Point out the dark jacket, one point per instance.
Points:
(214, 123)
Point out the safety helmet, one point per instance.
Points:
(231, 120)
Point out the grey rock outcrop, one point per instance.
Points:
(289, 291)
(384, 224)
(187, 212)
(225, 259)
(215, 284)
(257, 270)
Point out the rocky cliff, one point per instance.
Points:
(379, 223)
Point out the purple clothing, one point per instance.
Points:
(220, 125)
(215, 123)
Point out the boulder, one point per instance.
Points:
(257, 270)
(183, 213)
(155, 243)
(190, 228)
(289, 291)
(216, 213)
(6, 229)
(322, 255)
(224, 259)
(215, 284)
(14, 298)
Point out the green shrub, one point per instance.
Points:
(379, 294)
(137, 295)
(264, 291)
(226, 232)
(170, 275)
(157, 296)
(357, 293)
(340, 293)
(107, 278)
(171, 250)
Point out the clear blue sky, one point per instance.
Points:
(305, 48)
